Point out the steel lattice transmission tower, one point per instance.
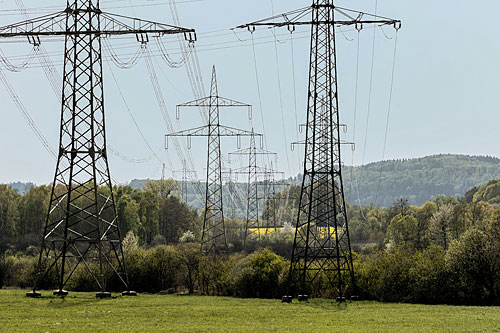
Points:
(253, 172)
(214, 233)
(81, 228)
(270, 198)
(185, 176)
(322, 244)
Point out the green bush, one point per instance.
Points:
(470, 272)
(189, 257)
(429, 277)
(385, 276)
(258, 275)
(3, 269)
(82, 279)
(19, 271)
(215, 274)
(153, 270)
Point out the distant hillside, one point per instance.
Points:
(382, 183)
(419, 179)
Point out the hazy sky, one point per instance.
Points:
(445, 97)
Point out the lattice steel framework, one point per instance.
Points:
(270, 198)
(186, 174)
(253, 172)
(81, 227)
(214, 233)
(322, 244)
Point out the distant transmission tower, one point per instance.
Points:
(253, 171)
(185, 174)
(322, 244)
(81, 226)
(270, 198)
(230, 182)
(214, 233)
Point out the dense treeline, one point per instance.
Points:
(444, 251)
(154, 214)
(382, 183)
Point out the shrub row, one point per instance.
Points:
(468, 272)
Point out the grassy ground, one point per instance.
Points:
(82, 312)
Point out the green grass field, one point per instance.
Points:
(82, 312)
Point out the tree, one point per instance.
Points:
(187, 237)
(148, 216)
(8, 214)
(189, 255)
(477, 212)
(439, 226)
(424, 215)
(258, 275)
(32, 210)
(175, 218)
(402, 229)
(471, 274)
(128, 214)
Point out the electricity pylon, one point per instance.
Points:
(322, 244)
(270, 198)
(186, 174)
(235, 200)
(214, 233)
(81, 226)
(252, 216)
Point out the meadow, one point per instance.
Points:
(82, 312)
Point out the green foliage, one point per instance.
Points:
(385, 276)
(19, 271)
(152, 212)
(189, 257)
(489, 192)
(470, 268)
(419, 179)
(3, 271)
(402, 229)
(258, 275)
(153, 270)
(429, 276)
(8, 214)
(32, 209)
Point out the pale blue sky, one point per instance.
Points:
(445, 96)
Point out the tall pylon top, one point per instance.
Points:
(83, 4)
(214, 91)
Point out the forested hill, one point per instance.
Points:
(417, 179)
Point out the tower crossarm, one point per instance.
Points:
(302, 17)
(208, 101)
(342, 142)
(205, 131)
(246, 151)
(110, 24)
(258, 170)
(213, 102)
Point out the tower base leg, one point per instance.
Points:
(33, 294)
(303, 298)
(103, 295)
(60, 292)
(286, 299)
(129, 293)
